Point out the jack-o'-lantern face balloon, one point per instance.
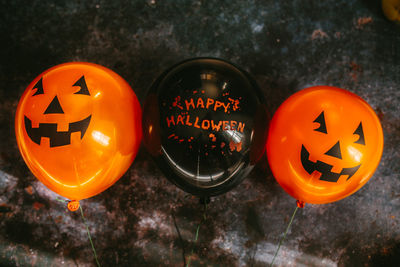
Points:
(78, 127)
(324, 144)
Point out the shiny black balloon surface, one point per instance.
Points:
(205, 124)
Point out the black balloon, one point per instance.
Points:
(205, 123)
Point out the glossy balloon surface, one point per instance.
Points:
(205, 124)
(391, 9)
(324, 144)
(78, 127)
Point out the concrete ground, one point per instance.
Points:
(286, 45)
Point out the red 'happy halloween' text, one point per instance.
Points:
(210, 104)
(205, 124)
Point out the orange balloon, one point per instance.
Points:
(78, 127)
(324, 144)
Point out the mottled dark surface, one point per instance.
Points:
(287, 45)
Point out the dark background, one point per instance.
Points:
(287, 45)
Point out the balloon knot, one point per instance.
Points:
(300, 204)
(73, 205)
(204, 200)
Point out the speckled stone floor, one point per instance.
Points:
(287, 45)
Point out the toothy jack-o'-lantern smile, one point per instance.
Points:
(78, 127)
(324, 168)
(49, 130)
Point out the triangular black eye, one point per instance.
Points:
(322, 125)
(39, 87)
(54, 107)
(359, 131)
(82, 84)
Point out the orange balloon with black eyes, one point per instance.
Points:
(324, 144)
(78, 128)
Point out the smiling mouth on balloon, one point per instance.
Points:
(324, 168)
(49, 130)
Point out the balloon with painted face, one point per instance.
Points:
(324, 144)
(78, 127)
(205, 124)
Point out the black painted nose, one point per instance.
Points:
(54, 107)
(335, 151)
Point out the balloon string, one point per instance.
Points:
(61, 200)
(197, 232)
(180, 239)
(90, 238)
(87, 229)
(284, 236)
